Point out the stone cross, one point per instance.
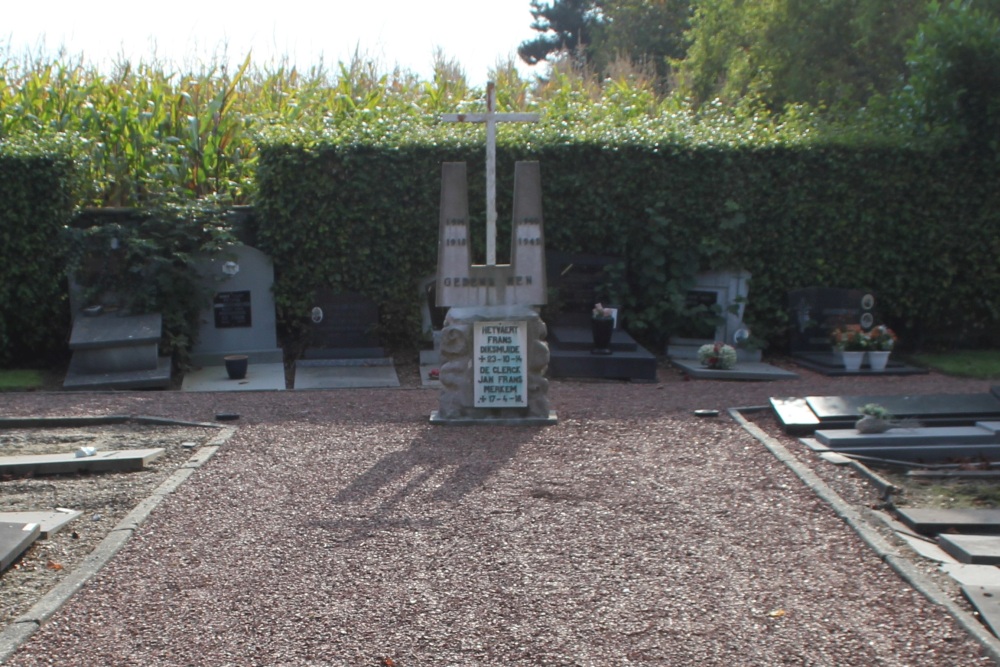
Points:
(491, 118)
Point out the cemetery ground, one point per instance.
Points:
(341, 528)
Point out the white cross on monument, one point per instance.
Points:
(491, 118)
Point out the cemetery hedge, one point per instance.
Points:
(36, 201)
(919, 225)
(354, 207)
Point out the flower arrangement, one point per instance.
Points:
(874, 410)
(853, 339)
(850, 339)
(882, 338)
(602, 313)
(717, 355)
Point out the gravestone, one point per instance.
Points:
(343, 348)
(342, 326)
(115, 351)
(578, 281)
(238, 319)
(719, 300)
(432, 322)
(814, 312)
(493, 349)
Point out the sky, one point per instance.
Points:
(185, 32)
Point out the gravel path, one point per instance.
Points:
(340, 528)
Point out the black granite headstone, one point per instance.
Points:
(816, 311)
(579, 281)
(343, 325)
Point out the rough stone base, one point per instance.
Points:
(456, 375)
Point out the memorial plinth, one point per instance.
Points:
(493, 367)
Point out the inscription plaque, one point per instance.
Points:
(500, 364)
(232, 309)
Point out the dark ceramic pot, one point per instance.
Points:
(236, 366)
(602, 328)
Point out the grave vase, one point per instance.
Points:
(601, 328)
(852, 360)
(236, 366)
(877, 360)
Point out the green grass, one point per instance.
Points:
(19, 380)
(981, 364)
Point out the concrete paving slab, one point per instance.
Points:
(746, 370)
(345, 373)
(427, 380)
(931, 521)
(972, 575)
(927, 549)
(986, 600)
(124, 460)
(15, 538)
(260, 377)
(974, 549)
(49, 522)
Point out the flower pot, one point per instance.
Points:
(236, 366)
(877, 360)
(852, 360)
(601, 329)
(872, 424)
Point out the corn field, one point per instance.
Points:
(145, 131)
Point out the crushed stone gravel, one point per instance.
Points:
(341, 528)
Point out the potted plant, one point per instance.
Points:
(881, 340)
(874, 419)
(602, 325)
(852, 343)
(718, 356)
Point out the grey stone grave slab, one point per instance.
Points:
(15, 538)
(958, 408)
(972, 549)
(49, 522)
(986, 600)
(239, 317)
(124, 460)
(931, 521)
(115, 351)
(795, 415)
(912, 453)
(259, 377)
(745, 370)
(345, 373)
(837, 439)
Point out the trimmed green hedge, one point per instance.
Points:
(35, 203)
(920, 227)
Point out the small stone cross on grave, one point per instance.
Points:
(491, 118)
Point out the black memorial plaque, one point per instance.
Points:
(232, 310)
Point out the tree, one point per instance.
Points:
(566, 27)
(644, 32)
(797, 51)
(955, 72)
